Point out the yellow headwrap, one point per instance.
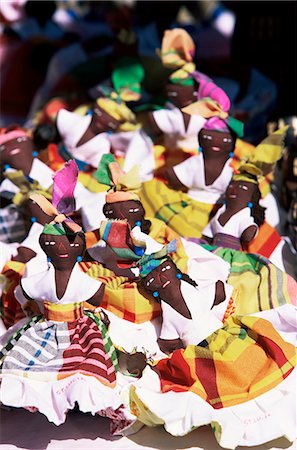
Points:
(120, 112)
(248, 172)
(26, 187)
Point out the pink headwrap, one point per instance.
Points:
(214, 123)
(14, 134)
(207, 88)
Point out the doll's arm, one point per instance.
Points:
(24, 255)
(131, 364)
(249, 234)
(174, 181)
(169, 345)
(97, 298)
(151, 127)
(30, 307)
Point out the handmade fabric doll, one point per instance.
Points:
(110, 127)
(185, 86)
(67, 356)
(189, 313)
(241, 379)
(17, 152)
(236, 222)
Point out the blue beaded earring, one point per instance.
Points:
(231, 154)
(155, 294)
(138, 223)
(35, 154)
(6, 166)
(79, 259)
(179, 276)
(49, 259)
(250, 205)
(200, 149)
(33, 219)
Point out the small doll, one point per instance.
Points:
(17, 152)
(111, 126)
(185, 86)
(65, 347)
(189, 313)
(236, 222)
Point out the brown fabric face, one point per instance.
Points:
(239, 194)
(215, 143)
(18, 153)
(179, 95)
(104, 121)
(62, 250)
(132, 210)
(163, 280)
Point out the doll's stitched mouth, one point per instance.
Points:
(216, 149)
(65, 255)
(166, 284)
(15, 151)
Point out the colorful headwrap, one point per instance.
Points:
(116, 108)
(247, 172)
(127, 77)
(177, 52)
(6, 136)
(218, 119)
(117, 234)
(123, 186)
(26, 186)
(147, 263)
(63, 201)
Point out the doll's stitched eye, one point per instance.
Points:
(71, 245)
(136, 209)
(46, 243)
(242, 186)
(225, 140)
(229, 140)
(163, 269)
(204, 136)
(76, 245)
(150, 281)
(112, 125)
(168, 267)
(52, 242)
(131, 210)
(98, 112)
(209, 138)
(172, 94)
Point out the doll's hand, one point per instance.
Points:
(220, 294)
(31, 309)
(169, 345)
(105, 319)
(132, 364)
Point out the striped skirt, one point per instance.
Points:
(49, 366)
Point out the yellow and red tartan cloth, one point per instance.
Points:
(221, 372)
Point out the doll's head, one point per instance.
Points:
(62, 247)
(112, 115)
(131, 210)
(16, 148)
(180, 94)
(160, 278)
(216, 138)
(244, 191)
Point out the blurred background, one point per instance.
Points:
(53, 47)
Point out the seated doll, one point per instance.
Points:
(111, 127)
(57, 370)
(189, 312)
(236, 222)
(17, 152)
(185, 85)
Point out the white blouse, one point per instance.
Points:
(235, 226)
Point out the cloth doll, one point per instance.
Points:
(127, 247)
(236, 222)
(185, 85)
(241, 379)
(189, 313)
(17, 152)
(111, 127)
(67, 356)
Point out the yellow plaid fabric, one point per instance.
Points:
(63, 313)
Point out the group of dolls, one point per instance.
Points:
(142, 294)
